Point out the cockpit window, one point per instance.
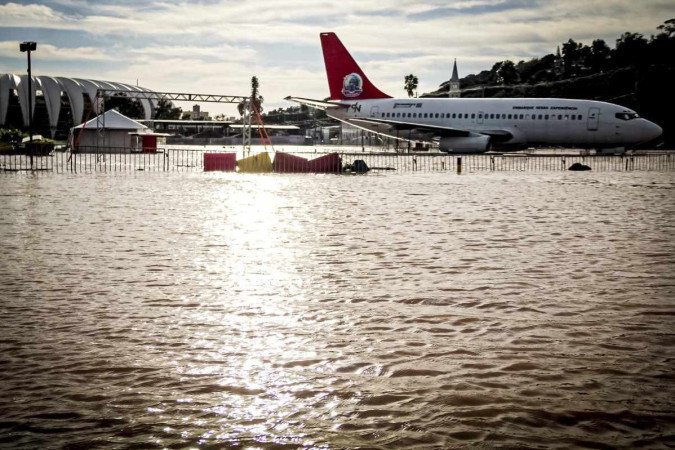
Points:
(626, 115)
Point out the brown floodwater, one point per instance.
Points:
(320, 311)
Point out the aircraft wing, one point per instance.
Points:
(319, 104)
(438, 130)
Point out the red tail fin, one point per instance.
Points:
(345, 78)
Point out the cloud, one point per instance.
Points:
(216, 46)
(31, 16)
(48, 52)
(206, 53)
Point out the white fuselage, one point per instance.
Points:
(510, 121)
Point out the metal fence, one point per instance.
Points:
(185, 159)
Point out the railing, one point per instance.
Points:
(183, 159)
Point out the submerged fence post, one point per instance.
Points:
(459, 165)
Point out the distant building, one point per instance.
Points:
(453, 85)
(197, 114)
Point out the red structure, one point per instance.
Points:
(149, 144)
(287, 163)
(224, 162)
(329, 163)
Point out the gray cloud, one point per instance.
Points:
(218, 45)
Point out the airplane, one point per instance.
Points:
(473, 125)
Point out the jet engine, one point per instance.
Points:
(474, 143)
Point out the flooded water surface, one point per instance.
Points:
(307, 311)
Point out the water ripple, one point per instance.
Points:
(387, 311)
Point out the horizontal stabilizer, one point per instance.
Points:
(319, 104)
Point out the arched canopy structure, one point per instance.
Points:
(52, 89)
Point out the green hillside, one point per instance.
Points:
(638, 73)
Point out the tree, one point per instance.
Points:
(662, 46)
(166, 110)
(535, 69)
(11, 136)
(571, 53)
(507, 73)
(668, 27)
(129, 107)
(631, 50)
(410, 84)
(599, 55)
(255, 98)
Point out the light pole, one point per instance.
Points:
(28, 47)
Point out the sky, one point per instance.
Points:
(216, 46)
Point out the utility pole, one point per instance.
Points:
(27, 47)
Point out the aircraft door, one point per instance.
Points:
(479, 120)
(374, 111)
(593, 119)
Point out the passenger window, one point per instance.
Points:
(480, 116)
(425, 115)
(382, 114)
(521, 117)
(437, 115)
(567, 117)
(539, 117)
(473, 115)
(581, 117)
(408, 114)
(545, 116)
(453, 115)
(509, 116)
(559, 116)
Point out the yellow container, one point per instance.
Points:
(260, 163)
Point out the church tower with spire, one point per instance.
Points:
(453, 85)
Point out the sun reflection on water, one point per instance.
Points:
(252, 267)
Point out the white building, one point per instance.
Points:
(52, 89)
(111, 132)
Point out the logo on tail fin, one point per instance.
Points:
(352, 85)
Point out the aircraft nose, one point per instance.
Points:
(652, 131)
